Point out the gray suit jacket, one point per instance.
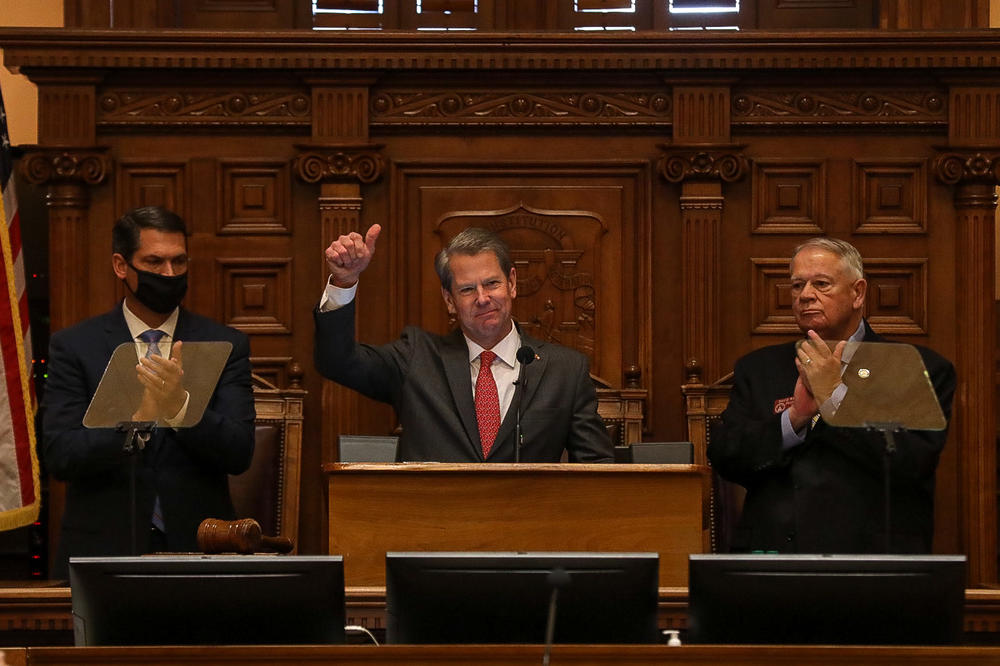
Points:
(426, 378)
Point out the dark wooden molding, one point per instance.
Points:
(840, 105)
(522, 106)
(555, 52)
(968, 166)
(134, 106)
(51, 164)
(682, 163)
(319, 164)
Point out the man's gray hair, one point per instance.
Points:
(470, 242)
(848, 254)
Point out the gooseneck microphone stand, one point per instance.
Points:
(137, 433)
(557, 579)
(888, 430)
(525, 355)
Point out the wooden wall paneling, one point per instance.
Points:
(793, 14)
(240, 14)
(890, 196)
(793, 95)
(340, 170)
(134, 14)
(154, 182)
(896, 305)
(898, 295)
(340, 214)
(970, 165)
(87, 13)
(340, 159)
(771, 297)
(790, 196)
(701, 160)
(974, 419)
(255, 294)
(701, 211)
(520, 15)
(340, 111)
(573, 230)
(527, 15)
(558, 282)
(209, 14)
(254, 197)
(933, 14)
(68, 174)
(69, 163)
(701, 114)
(973, 416)
(68, 201)
(127, 14)
(910, 272)
(184, 104)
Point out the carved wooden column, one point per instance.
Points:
(339, 160)
(67, 161)
(68, 172)
(971, 164)
(701, 159)
(975, 175)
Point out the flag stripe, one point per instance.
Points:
(19, 470)
(12, 376)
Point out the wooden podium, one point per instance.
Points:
(375, 508)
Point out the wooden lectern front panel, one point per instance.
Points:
(374, 509)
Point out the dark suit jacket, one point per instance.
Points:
(826, 494)
(187, 467)
(426, 379)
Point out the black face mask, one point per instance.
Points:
(159, 293)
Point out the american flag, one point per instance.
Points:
(19, 477)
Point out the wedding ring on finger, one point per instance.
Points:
(808, 361)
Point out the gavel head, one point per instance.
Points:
(224, 536)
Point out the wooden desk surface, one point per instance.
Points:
(508, 655)
(506, 507)
(47, 609)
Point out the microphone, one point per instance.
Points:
(557, 578)
(525, 355)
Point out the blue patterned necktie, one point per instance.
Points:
(152, 339)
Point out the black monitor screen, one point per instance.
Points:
(480, 597)
(826, 599)
(207, 600)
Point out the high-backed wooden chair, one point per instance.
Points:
(622, 409)
(268, 492)
(704, 404)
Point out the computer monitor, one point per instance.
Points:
(826, 599)
(503, 597)
(207, 600)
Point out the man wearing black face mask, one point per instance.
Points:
(181, 473)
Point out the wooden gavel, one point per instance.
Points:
(237, 536)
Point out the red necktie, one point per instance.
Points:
(487, 403)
